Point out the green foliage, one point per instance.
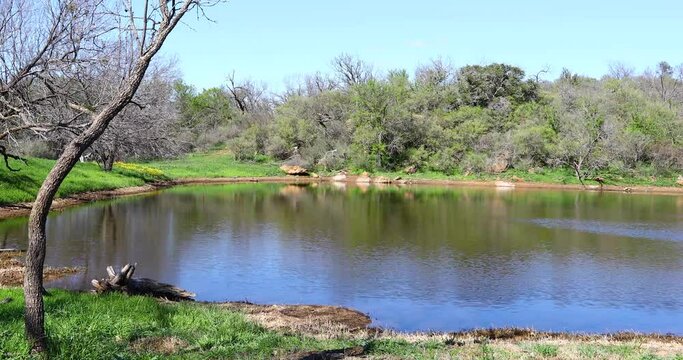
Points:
(485, 85)
(23, 185)
(469, 118)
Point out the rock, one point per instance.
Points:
(499, 165)
(339, 177)
(412, 169)
(504, 184)
(381, 180)
(398, 178)
(364, 178)
(294, 170)
(314, 175)
(679, 181)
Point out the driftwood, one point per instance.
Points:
(123, 281)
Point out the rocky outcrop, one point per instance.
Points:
(340, 177)
(294, 170)
(381, 180)
(364, 178)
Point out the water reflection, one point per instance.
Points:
(413, 257)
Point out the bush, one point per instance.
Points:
(474, 162)
(446, 161)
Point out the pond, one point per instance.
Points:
(413, 258)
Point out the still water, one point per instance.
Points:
(413, 258)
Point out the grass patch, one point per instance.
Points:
(545, 350)
(85, 326)
(23, 185)
(214, 165)
(549, 175)
(116, 326)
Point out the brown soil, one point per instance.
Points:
(23, 209)
(12, 270)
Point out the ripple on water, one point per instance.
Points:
(633, 230)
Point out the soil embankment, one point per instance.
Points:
(12, 269)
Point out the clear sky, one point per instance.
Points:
(271, 41)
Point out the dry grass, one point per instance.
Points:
(165, 345)
(320, 322)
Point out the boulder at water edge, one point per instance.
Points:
(364, 178)
(294, 170)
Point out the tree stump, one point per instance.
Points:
(123, 281)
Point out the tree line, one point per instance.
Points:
(472, 119)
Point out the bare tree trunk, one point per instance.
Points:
(108, 162)
(577, 171)
(35, 256)
(33, 280)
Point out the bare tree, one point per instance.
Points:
(145, 129)
(350, 70)
(667, 82)
(49, 53)
(620, 70)
(247, 96)
(581, 126)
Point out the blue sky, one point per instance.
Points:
(272, 41)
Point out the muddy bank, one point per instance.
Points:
(331, 322)
(24, 209)
(323, 321)
(12, 269)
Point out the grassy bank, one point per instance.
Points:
(85, 326)
(22, 186)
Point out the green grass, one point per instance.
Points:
(116, 326)
(551, 176)
(214, 165)
(545, 350)
(23, 185)
(86, 326)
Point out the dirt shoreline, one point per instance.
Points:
(24, 209)
(323, 321)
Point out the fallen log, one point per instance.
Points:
(123, 281)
